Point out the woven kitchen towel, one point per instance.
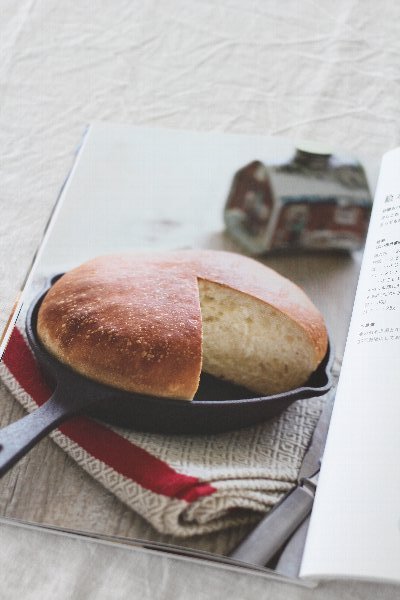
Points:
(182, 485)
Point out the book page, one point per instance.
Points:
(355, 525)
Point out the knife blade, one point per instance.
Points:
(270, 535)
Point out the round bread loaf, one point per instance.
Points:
(150, 323)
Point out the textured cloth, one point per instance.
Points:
(183, 485)
(325, 71)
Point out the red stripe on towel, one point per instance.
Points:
(104, 444)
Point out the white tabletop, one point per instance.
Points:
(325, 71)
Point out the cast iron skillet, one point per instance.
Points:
(218, 406)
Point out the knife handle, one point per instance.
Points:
(261, 545)
(290, 559)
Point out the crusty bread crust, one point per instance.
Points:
(133, 321)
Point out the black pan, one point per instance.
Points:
(218, 406)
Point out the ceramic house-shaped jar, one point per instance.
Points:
(314, 201)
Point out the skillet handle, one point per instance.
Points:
(19, 437)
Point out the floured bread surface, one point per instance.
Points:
(150, 323)
(118, 320)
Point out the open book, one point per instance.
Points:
(199, 496)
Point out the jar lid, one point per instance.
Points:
(312, 155)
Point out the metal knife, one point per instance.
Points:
(270, 535)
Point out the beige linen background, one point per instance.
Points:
(321, 70)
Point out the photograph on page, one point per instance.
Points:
(180, 338)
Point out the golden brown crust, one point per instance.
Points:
(120, 321)
(133, 321)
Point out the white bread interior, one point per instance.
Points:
(252, 344)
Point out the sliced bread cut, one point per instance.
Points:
(149, 323)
